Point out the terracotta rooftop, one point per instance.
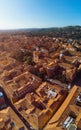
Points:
(68, 107)
(40, 103)
(8, 117)
(22, 82)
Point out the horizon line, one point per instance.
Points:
(21, 28)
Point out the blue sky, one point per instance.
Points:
(39, 13)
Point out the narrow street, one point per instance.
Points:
(77, 80)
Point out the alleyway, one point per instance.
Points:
(77, 80)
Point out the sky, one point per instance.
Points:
(39, 13)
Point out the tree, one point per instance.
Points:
(28, 60)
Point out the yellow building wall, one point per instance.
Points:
(33, 120)
(44, 116)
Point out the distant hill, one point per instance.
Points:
(67, 31)
(67, 28)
